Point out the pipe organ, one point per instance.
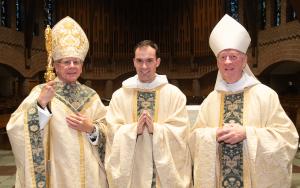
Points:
(180, 28)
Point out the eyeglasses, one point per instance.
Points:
(231, 57)
(69, 62)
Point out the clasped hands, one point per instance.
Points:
(231, 133)
(145, 120)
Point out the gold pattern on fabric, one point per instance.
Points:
(48, 161)
(28, 148)
(102, 140)
(134, 114)
(69, 40)
(36, 148)
(146, 101)
(155, 118)
(82, 160)
(246, 164)
(75, 95)
(231, 155)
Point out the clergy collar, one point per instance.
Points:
(244, 82)
(135, 83)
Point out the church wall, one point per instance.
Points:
(99, 87)
(7, 86)
(279, 83)
(183, 41)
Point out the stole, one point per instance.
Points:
(231, 155)
(146, 101)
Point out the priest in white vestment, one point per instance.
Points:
(148, 129)
(57, 134)
(242, 137)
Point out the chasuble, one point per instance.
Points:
(58, 156)
(161, 159)
(263, 159)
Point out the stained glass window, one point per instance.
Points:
(234, 9)
(3, 13)
(48, 12)
(290, 13)
(277, 13)
(262, 13)
(18, 15)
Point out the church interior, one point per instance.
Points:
(181, 28)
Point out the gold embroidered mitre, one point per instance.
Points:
(69, 40)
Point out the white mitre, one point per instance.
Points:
(229, 34)
(69, 40)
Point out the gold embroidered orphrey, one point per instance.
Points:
(146, 101)
(231, 155)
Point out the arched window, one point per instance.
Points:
(234, 9)
(277, 12)
(19, 15)
(49, 12)
(3, 13)
(290, 13)
(262, 13)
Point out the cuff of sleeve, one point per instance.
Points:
(46, 108)
(94, 136)
(44, 116)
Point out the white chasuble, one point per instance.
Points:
(160, 159)
(265, 159)
(58, 156)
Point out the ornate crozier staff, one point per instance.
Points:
(49, 75)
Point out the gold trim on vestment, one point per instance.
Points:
(87, 105)
(81, 148)
(82, 159)
(134, 122)
(155, 118)
(134, 114)
(221, 110)
(246, 167)
(28, 146)
(48, 160)
(246, 164)
(218, 164)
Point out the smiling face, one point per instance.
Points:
(68, 69)
(145, 63)
(231, 64)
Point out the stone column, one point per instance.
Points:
(11, 11)
(298, 118)
(241, 11)
(175, 82)
(283, 11)
(27, 86)
(269, 17)
(16, 88)
(108, 90)
(196, 87)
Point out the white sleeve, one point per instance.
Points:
(44, 116)
(93, 137)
